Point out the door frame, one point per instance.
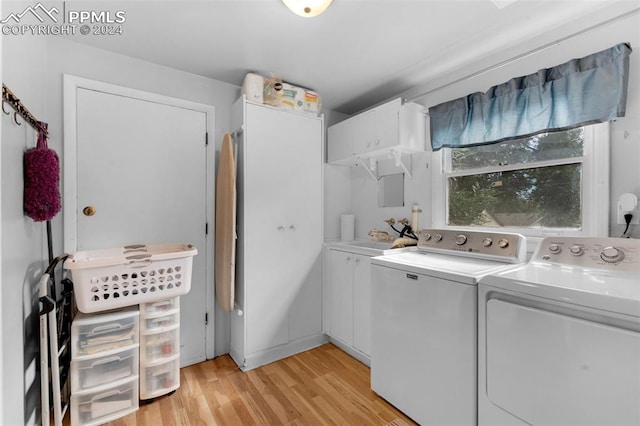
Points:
(71, 84)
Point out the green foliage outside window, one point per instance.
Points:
(533, 196)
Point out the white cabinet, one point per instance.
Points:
(349, 310)
(361, 132)
(159, 348)
(341, 138)
(392, 126)
(362, 304)
(341, 296)
(104, 366)
(279, 246)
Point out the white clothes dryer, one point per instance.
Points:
(424, 313)
(559, 337)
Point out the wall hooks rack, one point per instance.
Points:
(19, 109)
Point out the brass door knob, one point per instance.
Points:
(89, 211)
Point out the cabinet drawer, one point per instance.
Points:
(160, 345)
(160, 379)
(92, 334)
(104, 405)
(87, 373)
(157, 322)
(159, 307)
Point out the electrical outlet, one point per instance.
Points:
(628, 203)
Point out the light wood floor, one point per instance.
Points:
(317, 387)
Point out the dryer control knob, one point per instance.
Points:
(487, 242)
(554, 248)
(427, 236)
(503, 243)
(461, 239)
(612, 255)
(438, 237)
(576, 250)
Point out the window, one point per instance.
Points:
(548, 184)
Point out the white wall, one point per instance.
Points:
(625, 132)
(23, 240)
(1, 333)
(1, 204)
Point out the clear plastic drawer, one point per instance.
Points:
(160, 307)
(106, 404)
(160, 379)
(93, 334)
(160, 345)
(157, 322)
(87, 373)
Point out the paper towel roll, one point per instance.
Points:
(347, 227)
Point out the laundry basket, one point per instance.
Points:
(130, 275)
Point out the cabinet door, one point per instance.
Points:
(341, 296)
(282, 200)
(362, 303)
(304, 235)
(340, 142)
(386, 128)
(362, 132)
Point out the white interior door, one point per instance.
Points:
(142, 165)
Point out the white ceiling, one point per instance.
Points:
(356, 54)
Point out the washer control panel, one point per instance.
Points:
(504, 247)
(609, 253)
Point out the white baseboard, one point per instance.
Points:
(360, 356)
(268, 356)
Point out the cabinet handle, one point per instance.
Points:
(377, 142)
(280, 228)
(412, 276)
(292, 227)
(348, 258)
(357, 260)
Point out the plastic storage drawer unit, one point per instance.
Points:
(161, 307)
(92, 334)
(101, 369)
(104, 404)
(156, 322)
(160, 379)
(159, 348)
(160, 345)
(105, 361)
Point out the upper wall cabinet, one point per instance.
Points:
(392, 126)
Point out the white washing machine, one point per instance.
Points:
(559, 337)
(424, 313)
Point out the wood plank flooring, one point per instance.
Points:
(317, 387)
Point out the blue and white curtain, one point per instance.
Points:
(582, 91)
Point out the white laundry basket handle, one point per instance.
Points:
(134, 247)
(138, 260)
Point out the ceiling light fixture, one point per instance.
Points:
(307, 8)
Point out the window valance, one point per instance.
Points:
(582, 91)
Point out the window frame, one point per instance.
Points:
(595, 187)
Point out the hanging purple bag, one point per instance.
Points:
(41, 180)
